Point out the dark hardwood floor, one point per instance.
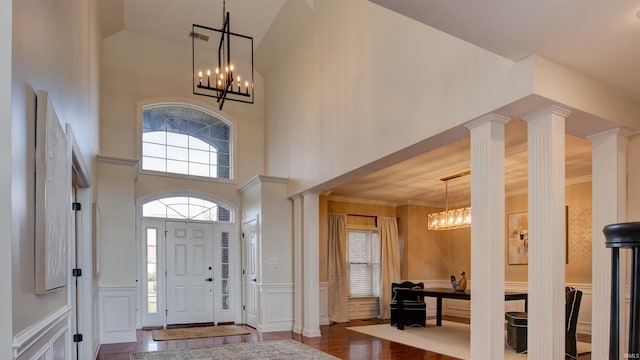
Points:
(335, 340)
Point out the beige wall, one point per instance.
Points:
(431, 255)
(435, 255)
(578, 199)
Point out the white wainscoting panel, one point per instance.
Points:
(96, 323)
(47, 339)
(276, 307)
(117, 311)
(324, 303)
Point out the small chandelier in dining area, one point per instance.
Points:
(216, 72)
(450, 218)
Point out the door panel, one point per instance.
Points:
(189, 273)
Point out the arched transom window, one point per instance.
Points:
(186, 208)
(183, 139)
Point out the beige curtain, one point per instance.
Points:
(390, 261)
(338, 287)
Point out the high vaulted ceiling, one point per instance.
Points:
(600, 39)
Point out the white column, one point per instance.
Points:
(6, 331)
(311, 264)
(487, 236)
(609, 170)
(633, 193)
(546, 157)
(297, 264)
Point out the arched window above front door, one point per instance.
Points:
(186, 208)
(185, 139)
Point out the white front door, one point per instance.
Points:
(250, 272)
(189, 273)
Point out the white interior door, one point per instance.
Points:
(250, 272)
(189, 273)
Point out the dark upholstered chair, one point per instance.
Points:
(414, 307)
(517, 325)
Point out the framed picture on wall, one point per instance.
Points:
(518, 237)
(52, 194)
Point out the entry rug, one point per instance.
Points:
(263, 350)
(450, 339)
(197, 332)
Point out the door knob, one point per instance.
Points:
(208, 279)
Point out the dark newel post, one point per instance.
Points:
(614, 331)
(634, 341)
(624, 235)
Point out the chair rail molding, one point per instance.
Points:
(41, 337)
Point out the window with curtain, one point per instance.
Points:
(363, 253)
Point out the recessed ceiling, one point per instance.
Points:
(417, 181)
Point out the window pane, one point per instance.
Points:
(186, 207)
(177, 153)
(152, 298)
(199, 156)
(196, 143)
(180, 140)
(359, 280)
(154, 150)
(364, 263)
(155, 164)
(178, 167)
(198, 169)
(220, 131)
(224, 237)
(156, 137)
(154, 209)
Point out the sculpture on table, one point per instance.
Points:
(459, 285)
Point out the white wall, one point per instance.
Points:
(116, 200)
(51, 51)
(53, 48)
(139, 69)
(5, 180)
(276, 233)
(359, 72)
(266, 197)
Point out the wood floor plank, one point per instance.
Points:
(335, 340)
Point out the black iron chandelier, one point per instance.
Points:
(227, 76)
